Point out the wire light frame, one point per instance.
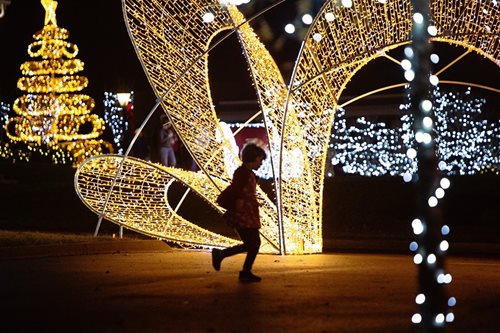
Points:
(172, 39)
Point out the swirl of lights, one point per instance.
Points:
(55, 66)
(44, 105)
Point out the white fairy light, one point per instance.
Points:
(408, 52)
(426, 138)
(445, 183)
(444, 245)
(432, 202)
(418, 226)
(434, 80)
(409, 75)
(420, 299)
(406, 64)
(407, 177)
(317, 37)
(347, 3)
(329, 17)
(289, 28)
(426, 105)
(418, 259)
(416, 318)
(434, 58)
(432, 30)
(427, 122)
(418, 18)
(307, 19)
(208, 17)
(439, 193)
(445, 230)
(431, 259)
(411, 153)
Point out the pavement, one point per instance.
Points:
(131, 245)
(146, 286)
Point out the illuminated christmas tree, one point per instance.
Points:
(54, 119)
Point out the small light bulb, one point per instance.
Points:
(432, 30)
(445, 230)
(431, 258)
(289, 28)
(416, 318)
(408, 52)
(307, 19)
(420, 299)
(434, 58)
(317, 37)
(418, 18)
(409, 75)
(208, 17)
(445, 183)
(426, 105)
(347, 3)
(329, 17)
(406, 64)
(434, 80)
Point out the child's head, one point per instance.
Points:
(250, 153)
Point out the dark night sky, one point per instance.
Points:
(97, 27)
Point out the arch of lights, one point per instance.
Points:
(172, 39)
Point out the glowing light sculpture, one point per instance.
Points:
(172, 39)
(52, 115)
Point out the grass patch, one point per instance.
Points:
(33, 238)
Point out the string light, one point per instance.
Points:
(114, 116)
(52, 114)
(465, 143)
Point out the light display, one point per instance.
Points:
(465, 145)
(172, 39)
(430, 247)
(115, 118)
(4, 113)
(53, 118)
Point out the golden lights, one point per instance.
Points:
(52, 113)
(172, 38)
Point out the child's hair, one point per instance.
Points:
(251, 151)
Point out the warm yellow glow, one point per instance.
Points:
(139, 199)
(50, 11)
(52, 112)
(171, 38)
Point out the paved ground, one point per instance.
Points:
(161, 290)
